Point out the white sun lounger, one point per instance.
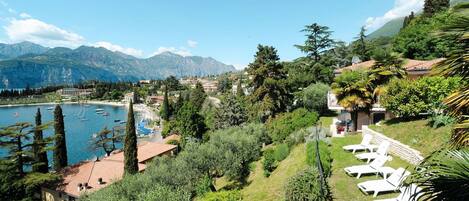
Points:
(382, 151)
(373, 167)
(365, 144)
(392, 183)
(407, 194)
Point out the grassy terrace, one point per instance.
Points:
(417, 134)
(344, 187)
(272, 187)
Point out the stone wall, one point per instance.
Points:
(396, 148)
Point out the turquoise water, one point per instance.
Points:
(78, 132)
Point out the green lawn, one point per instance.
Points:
(272, 188)
(417, 134)
(344, 187)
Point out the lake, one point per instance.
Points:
(81, 122)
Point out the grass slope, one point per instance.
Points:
(272, 188)
(417, 134)
(344, 187)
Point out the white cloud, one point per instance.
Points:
(181, 51)
(401, 8)
(11, 10)
(192, 44)
(39, 32)
(113, 47)
(25, 15)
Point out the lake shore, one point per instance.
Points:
(143, 109)
(120, 104)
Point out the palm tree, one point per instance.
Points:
(457, 64)
(387, 65)
(443, 176)
(353, 92)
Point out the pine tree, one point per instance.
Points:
(130, 144)
(270, 95)
(434, 6)
(39, 152)
(60, 149)
(15, 139)
(165, 108)
(360, 47)
(318, 41)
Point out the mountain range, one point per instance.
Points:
(393, 27)
(26, 63)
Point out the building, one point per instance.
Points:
(90, 176)
(74, 92)
(415, 69)
(144, 81)
(158, 100)
(208, 85)
(130, 97)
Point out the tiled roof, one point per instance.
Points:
(409, 65)
(109, 168)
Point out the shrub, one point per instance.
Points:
(281, 152)
(314, 97)
(439, 120)
(406, 98)
(269, 161)
(203, 186)
(306, 185)
(324, 154)
(283, 125)
(173, 142)
(233, 195)
(297, 137)
(169, 127)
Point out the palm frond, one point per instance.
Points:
(443, 176)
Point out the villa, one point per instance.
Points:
(415, 69)
(208, 85)
(90, 176)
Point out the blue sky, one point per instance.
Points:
(228, 31)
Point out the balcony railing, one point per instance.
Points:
(333, 105)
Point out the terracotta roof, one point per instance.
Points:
(109, 168)
(146, 151)
(409, 65)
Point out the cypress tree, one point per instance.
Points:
(239, 90)
(60, 149)
(40, 155)
(198, 96)
(130, 144)
(165, 109)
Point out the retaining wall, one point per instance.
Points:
(396, 148)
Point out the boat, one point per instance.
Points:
(99, 112)
(99, 109)
(123, 122)
(50, 108)
(87, 105)
(16, 114)
(117, 120)
(105, 114)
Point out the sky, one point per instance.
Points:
(227, 30)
